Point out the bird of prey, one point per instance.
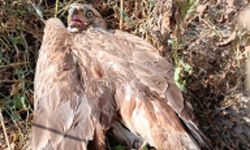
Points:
(90, 80)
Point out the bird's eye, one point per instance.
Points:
(89, 14)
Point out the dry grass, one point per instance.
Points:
(214, 86)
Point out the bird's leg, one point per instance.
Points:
(123, 136)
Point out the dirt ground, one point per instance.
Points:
(205, 40)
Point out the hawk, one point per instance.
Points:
(90, 80)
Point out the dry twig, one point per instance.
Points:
(121, 14)
(4, 130)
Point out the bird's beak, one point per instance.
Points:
(77, 20)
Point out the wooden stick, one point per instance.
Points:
(121, 14)
(56, 8)
(4, 130)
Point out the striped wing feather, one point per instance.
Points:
(146, 96)
(62, 114)
(87, 83)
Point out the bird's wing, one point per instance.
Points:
(62, 114)
(141, 80)
(157, 73)
(152, 69)
(130, 56)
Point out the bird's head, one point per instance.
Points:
(83, 16)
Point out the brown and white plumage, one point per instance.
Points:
(94, 80)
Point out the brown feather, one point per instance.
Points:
(62, 112)
(90, 82)
(143, 84)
